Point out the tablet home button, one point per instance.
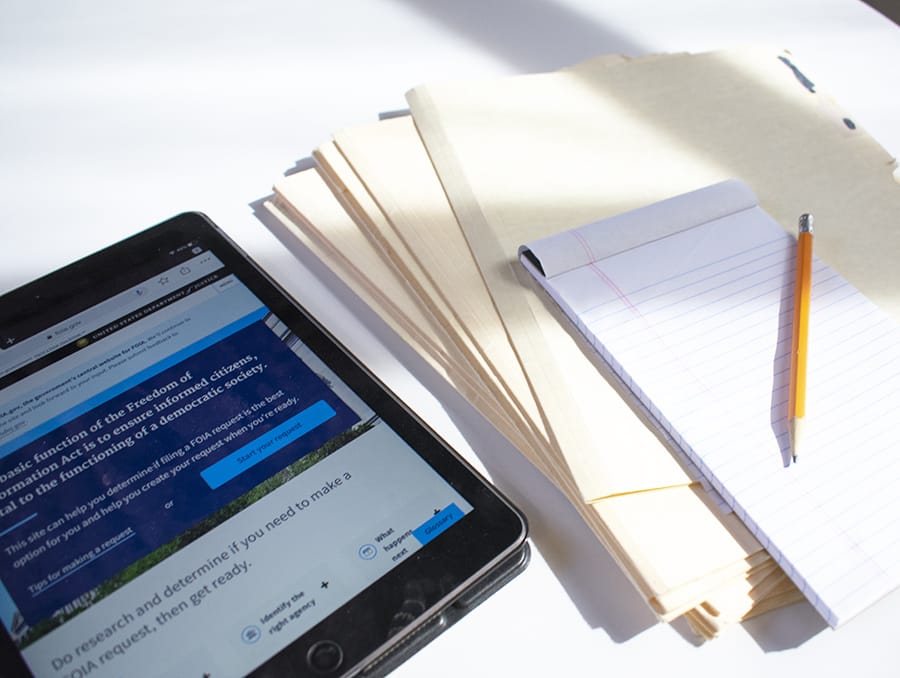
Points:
(324, 657)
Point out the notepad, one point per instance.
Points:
(689, 301)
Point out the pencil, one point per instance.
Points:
(800, 339)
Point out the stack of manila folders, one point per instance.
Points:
(422, 216)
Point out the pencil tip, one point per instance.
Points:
(795, 430)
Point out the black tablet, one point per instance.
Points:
(197, 480)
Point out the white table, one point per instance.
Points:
(114, 116)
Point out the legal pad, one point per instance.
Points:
(689, 301)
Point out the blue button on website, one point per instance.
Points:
(438, 523)
(267, 444)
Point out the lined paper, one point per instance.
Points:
(696, 320)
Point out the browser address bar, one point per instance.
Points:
(83, 323)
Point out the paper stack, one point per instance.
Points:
(422, 217)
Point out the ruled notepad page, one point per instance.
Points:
(698, 325)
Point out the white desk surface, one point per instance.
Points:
(114, 116)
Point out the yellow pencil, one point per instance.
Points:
(802, 289)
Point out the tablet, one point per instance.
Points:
(197, 480)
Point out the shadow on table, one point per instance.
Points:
(537, 36)
(889, 8)
(785, 628)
